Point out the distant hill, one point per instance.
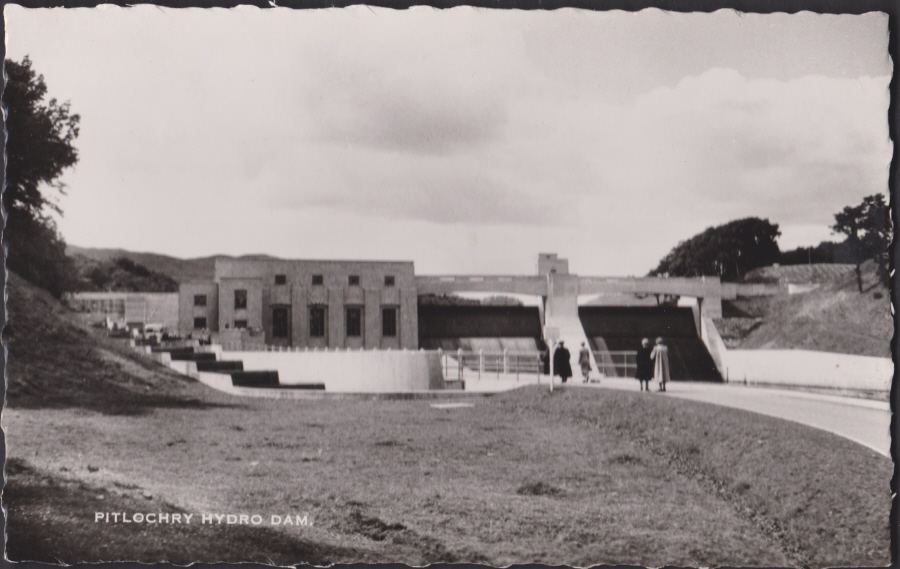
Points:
(835, 317)
(119, 275)
(182, 270)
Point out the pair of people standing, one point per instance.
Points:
(652, 363)
(563, 368)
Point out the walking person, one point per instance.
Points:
(584, 360)
(644, 372)
(660, 356)
(561, 365)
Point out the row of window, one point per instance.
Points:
(317, 322)
(352, 280)
(353, 322)
(240, 295)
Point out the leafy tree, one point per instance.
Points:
(39, 148)
(446, 300)
(868, 230)
(120, 274)
(501, 301)
(728, 251)
(824, 252)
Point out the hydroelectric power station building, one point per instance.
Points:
(315, 304)
(373, 305)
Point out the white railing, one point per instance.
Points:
(616, 364)
(462, 365)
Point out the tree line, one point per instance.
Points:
(732, 250)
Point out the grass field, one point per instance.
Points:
(580, 477)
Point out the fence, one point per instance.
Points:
(484, 365)
(616, 364)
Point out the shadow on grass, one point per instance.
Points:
(51, 520)
(122, 403)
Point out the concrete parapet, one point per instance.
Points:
(352, 371)
(714, 343)
(187, 368)
(809, 369)
(210, 349)
(164, 358)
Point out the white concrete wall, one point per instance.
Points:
(187, 368)
(808, 368)
(797, 367)
(714, 343)
(369, 371)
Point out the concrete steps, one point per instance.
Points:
(572, 333)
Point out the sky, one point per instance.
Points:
(466, 140)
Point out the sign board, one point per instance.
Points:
(551, 333)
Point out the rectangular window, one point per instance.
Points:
(199, 323)
(389, 280)
(317, 280)
(389, 322)
(353, 280)
(280, 279)
(317, 321)
(240, 299)
(279, 322)
(199, 300)
(240, 323)
(354, 322)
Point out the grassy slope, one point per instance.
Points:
(56, 361)
(833, 318)
(182, 270)
(580, 477)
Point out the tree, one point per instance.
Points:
(868, 230)
(39, 148)
(728, 251)
(825, 252)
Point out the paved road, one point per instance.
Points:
(863, 421)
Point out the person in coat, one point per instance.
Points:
(644, 372)
(561, 365)
(660, 356)
(584, 360)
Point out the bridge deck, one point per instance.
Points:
(702, 287)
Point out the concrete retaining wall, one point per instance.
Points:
(809, 368)
(351, 372)
(187, 368)
(805, 368)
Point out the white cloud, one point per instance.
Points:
(459, 137)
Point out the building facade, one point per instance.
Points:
(373, 305)
(307, 304)
(132, 308)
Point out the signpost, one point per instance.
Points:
(551, 335)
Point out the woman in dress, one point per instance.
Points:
(584, 360)
(644, 372)
(660, 356)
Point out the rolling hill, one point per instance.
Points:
(182, 270)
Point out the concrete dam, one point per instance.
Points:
(615, 329)
(621, 328)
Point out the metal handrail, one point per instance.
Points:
(621, 363)
(461, 365)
